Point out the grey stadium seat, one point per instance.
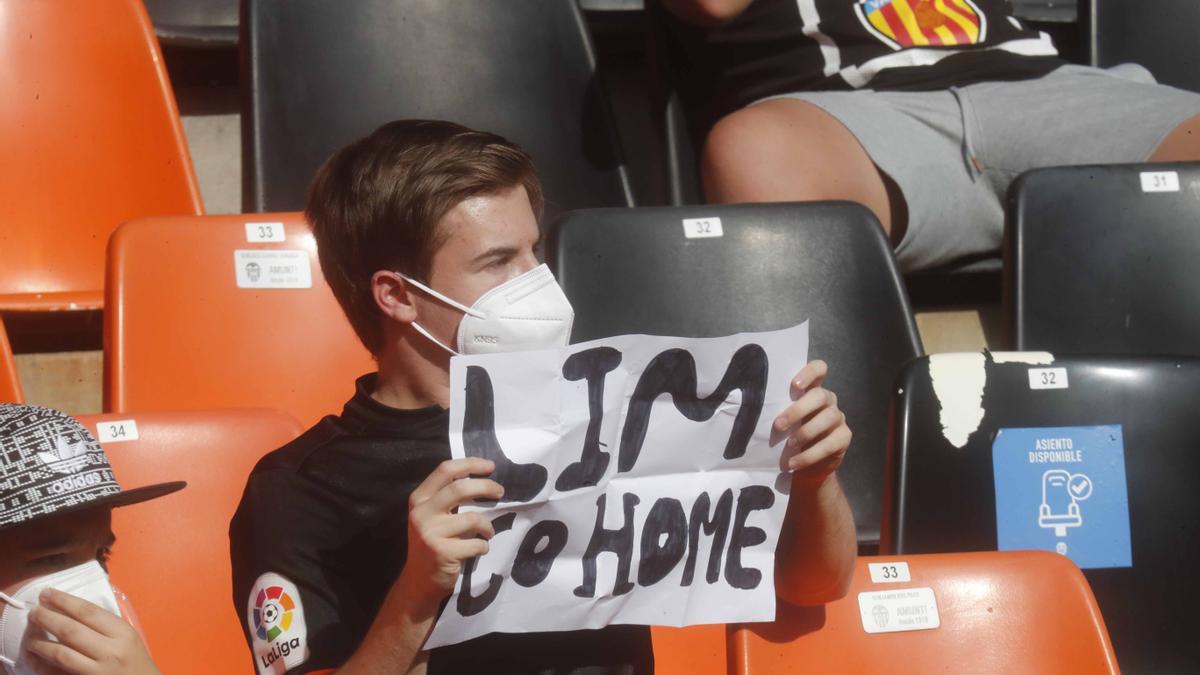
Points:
(776, 265)
(1102, 259)
(318, 76)
(979, 462)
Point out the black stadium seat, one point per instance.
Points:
(1102, 259)
(1158, 34)
(195, 23)
(1061, 11)
(989, 486)
(318, 76)
(634, 271)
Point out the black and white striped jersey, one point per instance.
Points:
(782, 46)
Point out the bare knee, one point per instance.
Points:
(733, 151)
(1182, 144)
(789, 150)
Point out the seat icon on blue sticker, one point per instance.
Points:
(1060, 487)
(1063, 489)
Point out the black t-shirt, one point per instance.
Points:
(320, 535)
(783, 46)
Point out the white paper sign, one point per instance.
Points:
(889, 572)
(1048, 378)
(272, 268)
(702, 228)
(642, 482)
(1160, 181)
(117, 431)
(900, 610)
(261, 233)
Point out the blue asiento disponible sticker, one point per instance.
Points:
(1063, 489)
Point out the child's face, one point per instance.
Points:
(52, 544)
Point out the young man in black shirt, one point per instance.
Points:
(347, 540)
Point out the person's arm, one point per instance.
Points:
(707, 13)
(814, 562)
(439, 541)
(91, 639)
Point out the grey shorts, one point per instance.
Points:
(954, 152)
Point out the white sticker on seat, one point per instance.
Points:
(889, 572)
(1048, 378)
(1160, 181)
(280, 268)
(898, 611)
(261, 233)
(117, 431)
(702, 228)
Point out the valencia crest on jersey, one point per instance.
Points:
(902, 24)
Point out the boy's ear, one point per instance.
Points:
(392, 296)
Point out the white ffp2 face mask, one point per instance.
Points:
(526, 312)
(87, 581)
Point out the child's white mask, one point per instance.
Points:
(87, 581)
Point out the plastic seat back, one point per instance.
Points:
(773, 266)
(320, 77)
(1154, 33)
(1095, 457)
(10, 384)
(1102, 259)
(172, 554)
(1046, 10)
(188, 23)
(693, 650)
(199, 317)
(1011, 612)
(91, 138)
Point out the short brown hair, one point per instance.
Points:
(375, 204)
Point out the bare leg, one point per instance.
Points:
(1182, 144)
(789, 150)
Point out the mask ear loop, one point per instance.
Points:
(18, 605)
(449, 301)
(13, 601)
(421, 329)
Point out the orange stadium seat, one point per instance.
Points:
(1009, 612)
(10, 385)
(180, 333)
(91, 138)
(172, 554)
(694, 650)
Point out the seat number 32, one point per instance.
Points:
(702, 228)
(1048, 378)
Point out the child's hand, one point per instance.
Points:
(92, 640)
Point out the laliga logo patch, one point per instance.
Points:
(276, 622)
(272, 613)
